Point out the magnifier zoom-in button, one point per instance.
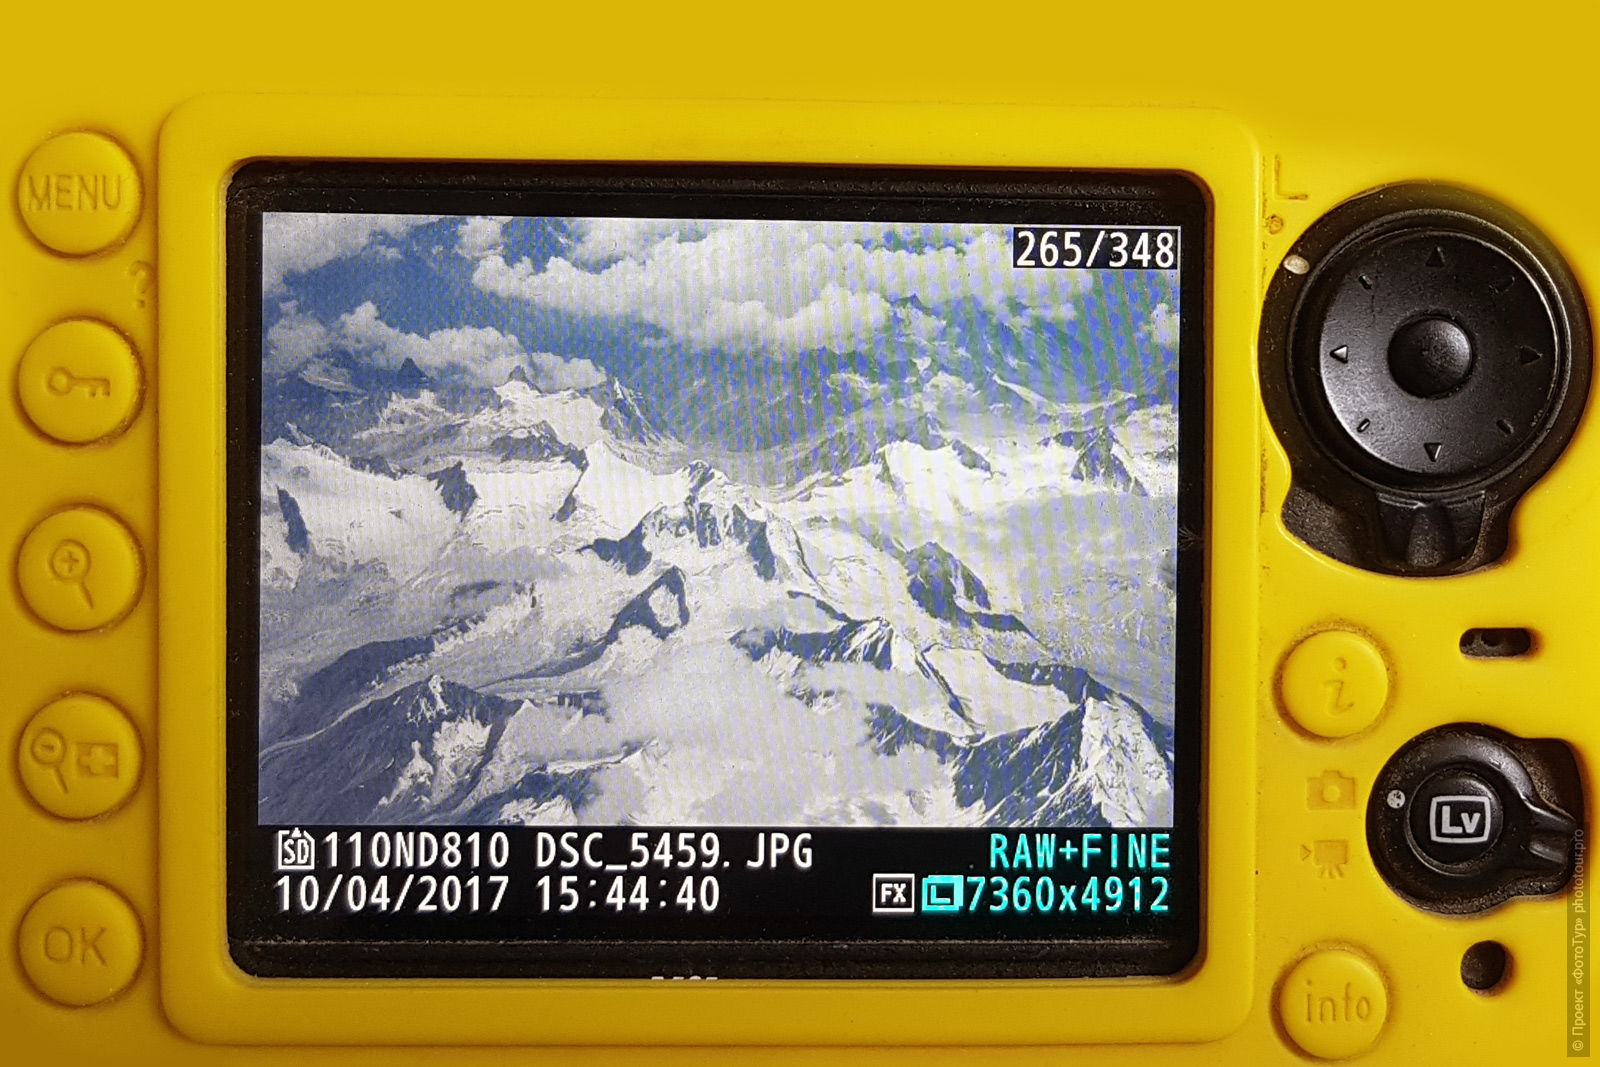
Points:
(80, 569)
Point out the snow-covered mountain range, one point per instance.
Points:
(532, 607)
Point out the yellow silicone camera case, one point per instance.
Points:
(1279, 113)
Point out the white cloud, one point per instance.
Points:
(1163, 327)
(604, 240)
(295, 242)
(481, 235)
(294, 339)
(783, 287)
(481, 354)
(554, 373)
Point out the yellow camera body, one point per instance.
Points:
(1348, 602)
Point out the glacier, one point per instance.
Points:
(512, 606)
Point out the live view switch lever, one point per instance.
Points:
(1464, 817)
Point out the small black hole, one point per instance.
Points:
(1484, 965)
(1496, 642)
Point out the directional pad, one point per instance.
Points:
(1425, 357)
(1438, 351)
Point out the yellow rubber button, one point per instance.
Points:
(1334, 683)
(1333, 1004)
(80, 569)
(80, 944)
(79, 757)
(79, 193)
(79, 381)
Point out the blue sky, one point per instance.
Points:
(674, 308)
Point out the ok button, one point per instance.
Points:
(80, 944)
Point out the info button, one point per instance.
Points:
(1333, 1004)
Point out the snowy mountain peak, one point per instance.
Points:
(1102, 460)
(627, 416)
(410, 376)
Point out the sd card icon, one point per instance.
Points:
(941, 892)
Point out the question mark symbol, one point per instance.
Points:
(144, 279)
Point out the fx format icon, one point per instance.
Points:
(894, 894)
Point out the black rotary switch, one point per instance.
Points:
(1465, 817)
(1425, 356)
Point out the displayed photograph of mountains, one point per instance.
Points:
(666, 522)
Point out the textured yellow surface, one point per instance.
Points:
(1281, 111)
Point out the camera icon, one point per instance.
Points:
(1330, 791)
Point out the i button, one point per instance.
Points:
(1334, 683)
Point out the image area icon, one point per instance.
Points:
(941, 893)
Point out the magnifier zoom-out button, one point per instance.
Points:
(80, 756)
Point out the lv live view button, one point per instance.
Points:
(1456, 817)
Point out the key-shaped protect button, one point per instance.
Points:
(62, 381)
(79, 381)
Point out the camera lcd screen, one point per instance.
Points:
(714, 573)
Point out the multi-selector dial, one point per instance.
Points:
(1424, 356)
(1438, 354)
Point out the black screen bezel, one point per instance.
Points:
(849, 194)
